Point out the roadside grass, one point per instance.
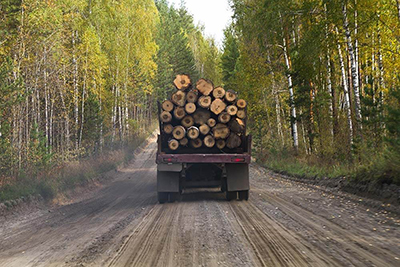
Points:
(70, 174)
(372, 172)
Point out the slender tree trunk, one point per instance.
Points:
(75, 84)
(354, 67)
(398, 9)
(346, 92)
(83, 97)
(291, 97)
(356, 44)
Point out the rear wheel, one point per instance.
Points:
(162, 197)
(231, 195)
(244, 195)
(173, 197)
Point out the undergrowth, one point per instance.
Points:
(69, 174)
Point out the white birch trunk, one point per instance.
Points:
(346, 92)
(293, 118)
(354, 67)
(75, 85)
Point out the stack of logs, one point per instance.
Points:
(202, 116)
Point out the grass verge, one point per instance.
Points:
(70, 174)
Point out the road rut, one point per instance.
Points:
(284, 223)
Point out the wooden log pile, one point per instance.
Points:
(202, 116)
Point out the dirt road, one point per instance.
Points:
(283, 224)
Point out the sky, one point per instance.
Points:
(214, 15)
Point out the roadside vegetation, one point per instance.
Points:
(322, 81)
(79, 84)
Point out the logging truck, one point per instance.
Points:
(202, 141)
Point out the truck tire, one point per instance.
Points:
(173, 197)
(244, 195)
(231, 195)
(162, 197)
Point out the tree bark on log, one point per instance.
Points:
(230, 96)
(211, 122)
(221, 143)
(201, 116)
(241, 103)
(179, 132)
(173, 144)
(217, 106)
(233, 141)
(204, 101)
(184, 141)
(221, 131)
(196, 143)
(193, 132)
(165, 116)
(192, 96)
(179, 98)
(204, 129)
(182, 82)
(224, 117)
(204, 86)
(168, 128)
(218, 92)
(187, 121)
(179, 113)
(232, 110)
(190, 108)
(209, 141)
(167, 105)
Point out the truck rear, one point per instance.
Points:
(202, 142)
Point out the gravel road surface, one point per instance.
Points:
(284, 223)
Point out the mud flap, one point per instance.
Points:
(237, 177)
(168, 177)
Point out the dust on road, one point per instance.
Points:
(283, 224)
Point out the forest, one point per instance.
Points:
(322, 81)
(80, 81)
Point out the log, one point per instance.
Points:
(201, 116)
(179, 113)
(204, 129)
(192, 96)
(221, 143)
(182, 82)
(184, 141)
(209, 141)
(168, 128)
(230, 96)
(193, 132)
(221, 131)
(211, 122)
(196, 143)
(224, 117)
(179, 98)
(241, 114)
(241, 103)
(232, 110)
(190, 108)
(236, 125)
(204, 86)
(173, 144)
(217, 106)
(218, 92)
(204, 101)
(233, 141)
(179, 132)
(167, 105)
(187, 121)
(165, 116)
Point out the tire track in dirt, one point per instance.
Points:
(343, 240)
(273, 244)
